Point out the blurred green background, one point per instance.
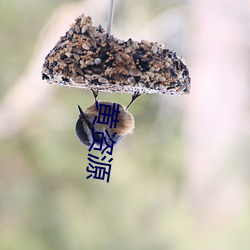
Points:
(181, 181)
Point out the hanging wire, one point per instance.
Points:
(110, 15)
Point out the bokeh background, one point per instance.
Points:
(180, 182)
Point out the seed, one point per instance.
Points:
(145, 42)
(85, 46)
(61, 62)
(131, 80)
(93, 42)
(162, 46)
(120, 42)
(77, 57)
(84, 29)
(68, 54)
(144, 78)
(77, 29)
(98, 61)
(154, 49)
(103, 80)
(78, 51)
(70, 32)
(82, 63)
(103, 37)
(95, 76)
(88, 77)
(134, 45)
(119, 58)
(83, 21)
(150, 74)
(128, 50)
(91, 33)
(64, 43)
(69, 60)
(78, 70)
(88, 62)
(77, 79)
(134, 72)
(126, 56)
(87, 71)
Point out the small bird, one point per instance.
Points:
(85, 129)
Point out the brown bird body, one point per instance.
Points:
(85, 129)
(125, 125)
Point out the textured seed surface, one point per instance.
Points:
(87, 57)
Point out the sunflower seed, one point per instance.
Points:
(103, 80)
(150, 74)
(77, 57)
(131, 80)
(134, 72)
(68, 54)
(145, 42)
(85, 46)
(77, 29)
(77, 79)
(61, 62)
(88, 62)
(69, 60)
(154, 49)
(95, 76)
(78, 70)
(144, 78)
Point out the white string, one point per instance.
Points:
(110, 15)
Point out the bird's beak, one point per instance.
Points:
(80, 110)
